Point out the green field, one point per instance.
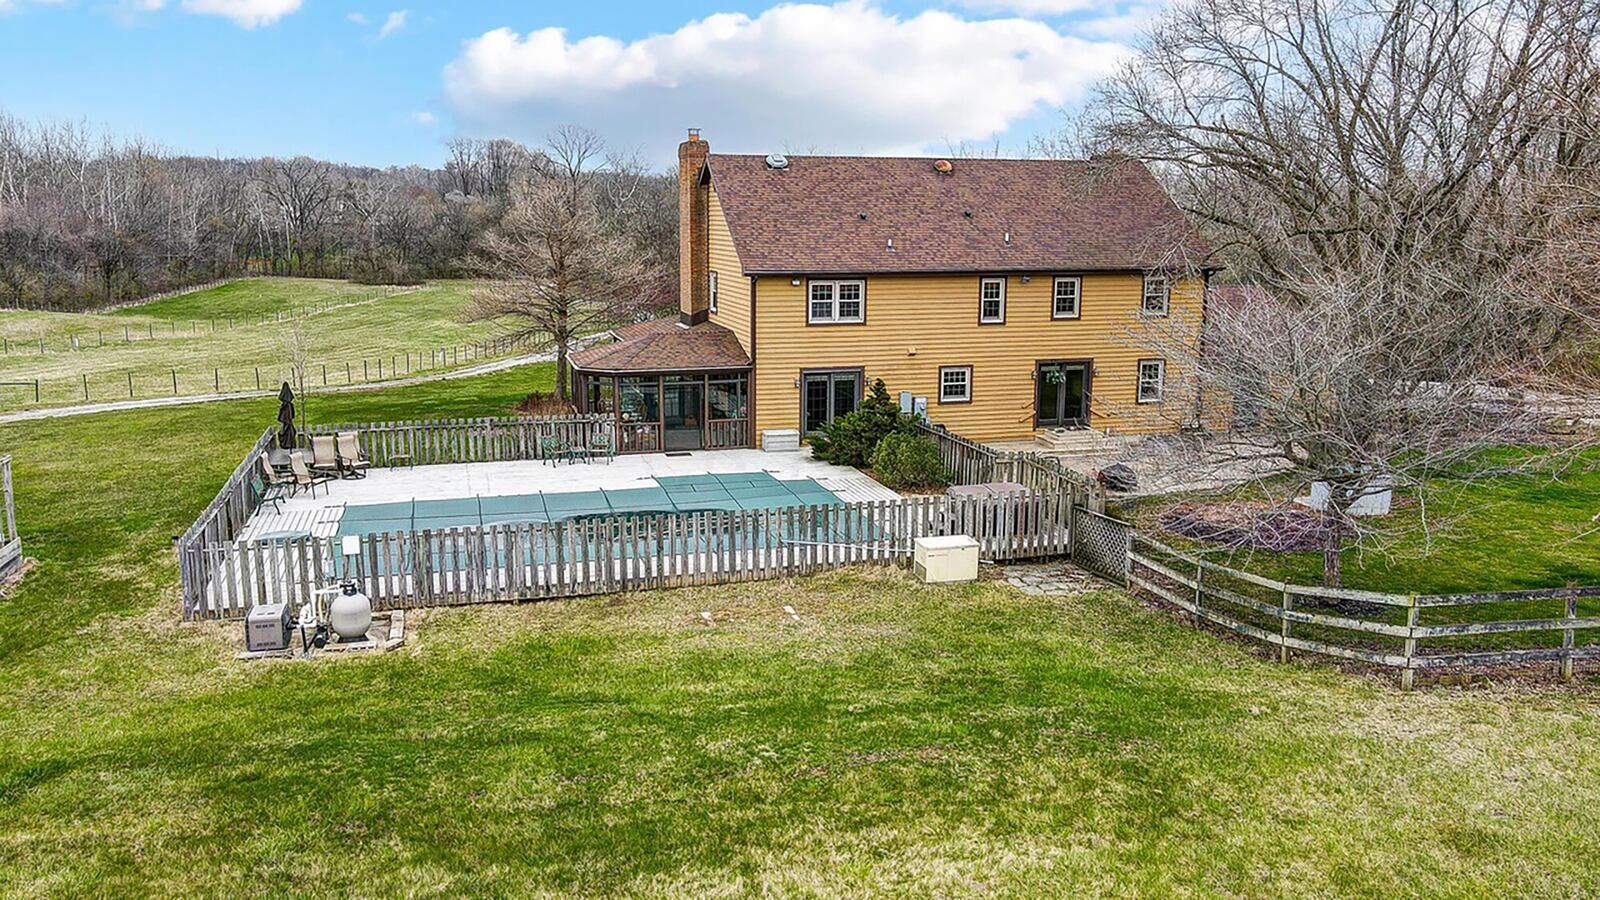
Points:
(216, 340)
(898, 739)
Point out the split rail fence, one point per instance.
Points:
(1369, 627)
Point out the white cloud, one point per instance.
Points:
(244, 13)
(1034, 7)
(395, 22)
(358, 18)
(425, 118)
(847, 78)
(1121, 24)
(11, 6)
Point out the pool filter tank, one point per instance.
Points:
(350, 613)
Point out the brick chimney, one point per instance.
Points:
(693, 263)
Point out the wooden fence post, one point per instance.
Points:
(1408, 677)
(1283, 643)
(1567, 640)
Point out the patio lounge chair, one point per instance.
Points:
(350, 455)
(273, 487)
(325, 456)
(303, 475)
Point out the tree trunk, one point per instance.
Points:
(563, 345)
(1333, 541)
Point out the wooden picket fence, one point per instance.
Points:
(604, 554)
(970, 462)
(475, 440)
(1368, 627)
(10, 541)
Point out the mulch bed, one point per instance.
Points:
(1255, 525)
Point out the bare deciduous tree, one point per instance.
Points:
(557, 269)
(1373, 168)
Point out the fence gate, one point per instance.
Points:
(1101, 544)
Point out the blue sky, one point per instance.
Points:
(387, 83)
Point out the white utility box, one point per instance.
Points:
(950, 558)
(779, 440)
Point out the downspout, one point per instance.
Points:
(751, 412)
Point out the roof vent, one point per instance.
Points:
(943, 167)
(777, 161)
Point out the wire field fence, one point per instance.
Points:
(606, 554)
(1410, 633)
(178, 381)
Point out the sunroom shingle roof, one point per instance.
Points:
(663, 345)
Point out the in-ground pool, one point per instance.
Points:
(672, 494)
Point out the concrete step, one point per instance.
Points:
(1068, 441)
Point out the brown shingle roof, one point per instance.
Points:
(662, 345)
(1072, 215)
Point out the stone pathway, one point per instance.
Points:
(1056, 578)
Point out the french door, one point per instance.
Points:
(824, 396)
(1061, 398)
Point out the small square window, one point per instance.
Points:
(711, 291)
(1067, 293)
(1156, 294)
(955, 384)
(1152, 380)
(991, 300)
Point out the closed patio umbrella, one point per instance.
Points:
(287, 438)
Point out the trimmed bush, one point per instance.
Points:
(850, 439)
(905, 460)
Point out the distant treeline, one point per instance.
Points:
(88, 220)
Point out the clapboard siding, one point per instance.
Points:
(733, 288)
(917, 323)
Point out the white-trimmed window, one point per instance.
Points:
(1066, 297)
(1157, 291)
(1152, 380)
(830, 302)
(955, 384)
(711, 291)
(991, 300)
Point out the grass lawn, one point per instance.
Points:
(367, 326)
(898, 739)
(1517, 531)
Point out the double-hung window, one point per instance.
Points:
(1067, 297)
(711, 291)
(1152, 380)
(991, 300)
(831, 302)
(1156, 294)
(955, 384)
